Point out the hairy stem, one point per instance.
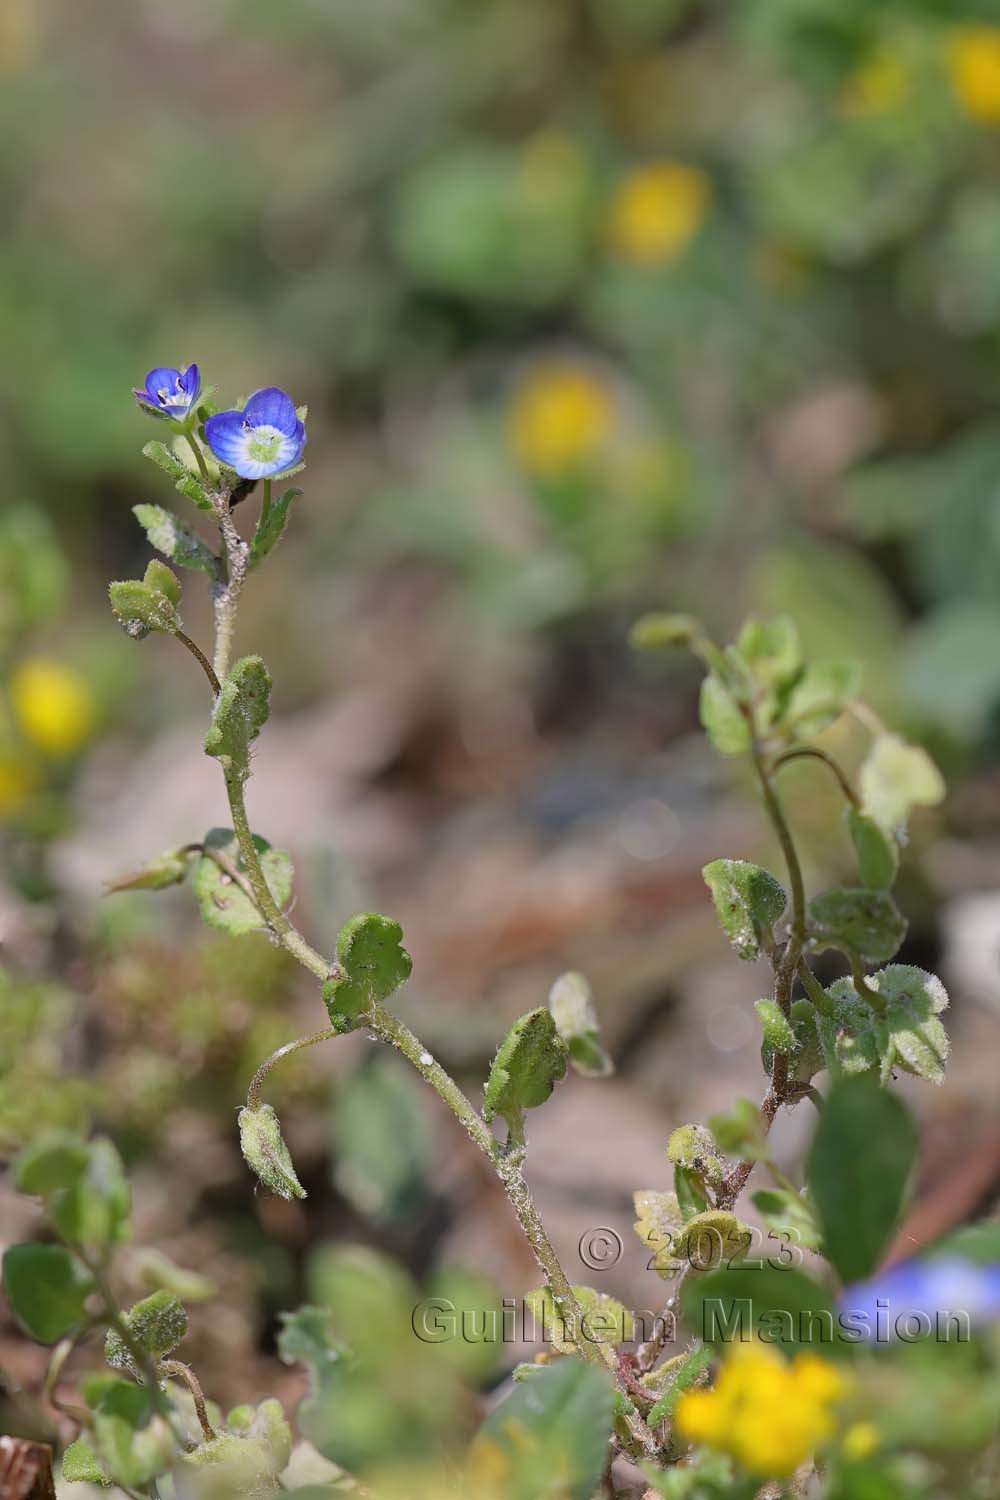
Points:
(178, 1369)
(201, 659)
(812, 752)
(282, 930)
(260, 1077)
(195, 447)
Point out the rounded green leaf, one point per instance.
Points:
(157, 1324)
(169, 535)
(658, 632)
(241, 711)
(80, 1465)
(748, 901)
(56, 1160)
(722, 718)
(46, 1287)
(372, 965)
(224, 903)
(897, 777)
(862, 922)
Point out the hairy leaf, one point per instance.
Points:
(372, 964)
(529, 1063)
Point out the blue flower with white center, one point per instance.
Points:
(265, 438)
(170, 393)
(919, 1298)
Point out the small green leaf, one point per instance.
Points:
(740, 1132)
(876, 849)
(224, 904)
(684, 1372)
(782, 1306)
(820, 696)
(556, 1424)
(692, 1195)
(658, 632)
(862, 922)
(692, 1147)
(659, 1223)
(56, 1160)
(80, 1465)
(712, 1238)
(46, 1287)
(94, 1209)
(748, 900)
(572, 1007)
(157, 1324)
(914, 1001)
(861, 1159)
(241, 711)
(265, 1152)
(778, 1034)
(529, 1063)
(186, 482)
(271, 528)
(603, 1319)
(168, 869)
(149, 604)
(722, 718)
(372, 965)
(897, 777)
(168, 534)
(772, 650)
(788, 1214)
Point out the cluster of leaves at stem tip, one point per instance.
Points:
(587, 1398)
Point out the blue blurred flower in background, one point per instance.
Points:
(170, 393)
(265, 438)
(916, 1297)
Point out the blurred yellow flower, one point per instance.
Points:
(880, 84)
(561, 417)
(17, 782)
(860, 1440)
(768, 1413)
(974, 65)
(53, 705)
(657, 211)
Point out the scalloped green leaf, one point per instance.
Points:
(772, 650)
(895, 778)
(914, 1001)
(572, 1006)
(157, 1325)
(241, 711)
(224, 904)
(169, 535)
(748, 900)
(152, 603)
(80, 1465)
(372, 964)
(529, 1063)
(863, 922)
(604, 1320)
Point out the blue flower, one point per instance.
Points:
(265, 438)
(919, 1297)
(170, 393)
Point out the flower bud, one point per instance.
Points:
(266, 1153)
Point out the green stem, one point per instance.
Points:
(812, 752)
(780, 825)
(260, 1077)
(265, 508)
(389, 1028)
(278, 924)
(195, 447)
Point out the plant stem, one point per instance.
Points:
(812, 752)
(780, 825)
(225, 595)
(389, 1028)
(195, 447)
(259, 1078)
(184, 1372)
(201, 659)
(283, 931)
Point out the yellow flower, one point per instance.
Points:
(17, 782)
(860, 1440)
(52, 704)
(880, 84)
(561, 418)
(657, 212)
(974, 65)
(768, 1413)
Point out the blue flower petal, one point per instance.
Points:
(158, 380)
(227, 437)
(190, 383)
(942, 1286)
(272, 407)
